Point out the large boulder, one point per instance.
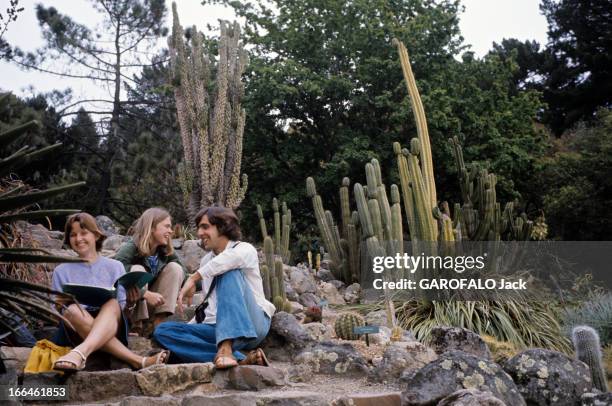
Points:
(456, 338)
(546, 377)
(335, 359)
(302, 281)
(162, 379)
(308, 299)
(249, 377)
(596, 399)
(471, 397)
(456, 370)
(113, 242)
(352, 293)
(329, 292)
(318, 331)
(38, 236)
(397, 359)
(107, 226)
(376, 318)
(191, 254)
(286, 337)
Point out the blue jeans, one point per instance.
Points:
(239, 318)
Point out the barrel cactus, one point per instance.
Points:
(345, 323)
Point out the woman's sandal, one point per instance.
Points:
(165, 354)
(252, 358)
(76, 367)
(225, 361)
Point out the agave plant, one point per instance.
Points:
(25, 300)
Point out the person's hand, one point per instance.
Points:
(132, 295)
(187, 292)
(153, 298)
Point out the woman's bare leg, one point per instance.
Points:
(85, 326)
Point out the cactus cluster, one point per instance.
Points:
(342, 243)
(211, 125)
(282, 228)
(345, 323)
(272, 276)
(588, 350)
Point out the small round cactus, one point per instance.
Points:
(345, 323)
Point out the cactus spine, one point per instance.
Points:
(345, 323)
(211, 125)
(588, 350)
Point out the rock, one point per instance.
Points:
(325, 275)
(150, 401)
(337, 284)
(177, 243)
(191, 254)
(286, 337)
(290, 292)
(596, 399)
(106, 225)
(277, 398)
(37, 235)
(113, 242)
(330, 358)
(471, 397)
(296, 307)
(18, 356)
(139, 345)
(383, 337)
(399, 358)
(328, 292)
(302, 281)
(456, 338)
(163, 379)
(249, 377)
(14, 359)
(352, 294)
(300, 373)
(370, 399)
(376, 318)
(318, 331)
(546, 377)
(455, 370)
(308, 299)
(93, 386)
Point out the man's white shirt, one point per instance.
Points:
(237, 255)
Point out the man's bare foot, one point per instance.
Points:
(224, 358)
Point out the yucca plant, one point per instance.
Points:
(26, 300)
(523, 324)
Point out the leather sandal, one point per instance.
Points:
(252, 358)
(225, 361)
(76, 367)
(162, 358)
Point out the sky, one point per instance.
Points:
(482, 23)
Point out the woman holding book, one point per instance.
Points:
(150, 250)
(94, 328)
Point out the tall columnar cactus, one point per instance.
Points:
(480, 217)
(282, 229)
(329, 235)
(345, 323)
(588, 350)
(424, 145)
(212, 125)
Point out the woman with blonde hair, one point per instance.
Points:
(150, 250)
(93, 328)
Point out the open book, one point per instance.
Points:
(97, 296)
